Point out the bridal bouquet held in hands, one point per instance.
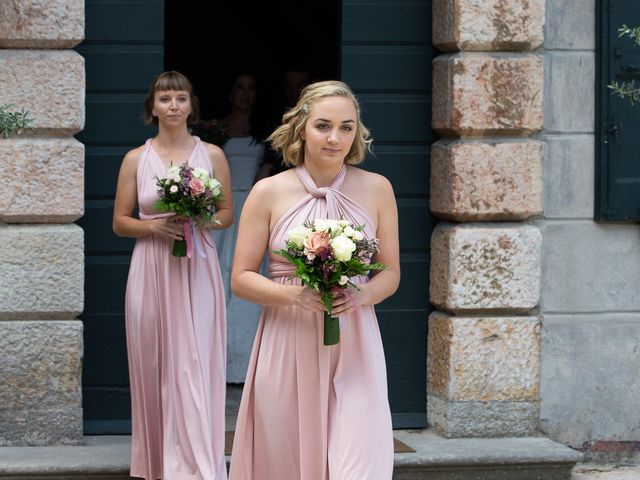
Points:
(327, 254)
(189, 192)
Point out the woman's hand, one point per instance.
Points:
(347, 300)
(171, 227)
(309, 300)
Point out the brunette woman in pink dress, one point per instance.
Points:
(310, 411)
(174, 307)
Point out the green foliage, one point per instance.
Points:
(13, 121)
(632, 32)
(627, 90)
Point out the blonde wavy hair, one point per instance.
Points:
(287, 137)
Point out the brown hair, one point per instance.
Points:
(287, 139)
(170, 80)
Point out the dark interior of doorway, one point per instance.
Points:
(209, 41)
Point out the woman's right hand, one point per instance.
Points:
(171, 227)
(309, 300)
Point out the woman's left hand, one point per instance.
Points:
(347, 300)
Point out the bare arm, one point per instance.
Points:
(253, 238)
(124, 224)
(384, 283)
(220, 169)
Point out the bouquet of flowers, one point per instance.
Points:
(326, 254)
(188, 192)
(212, 131)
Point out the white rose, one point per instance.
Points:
(173, 189)
(173, 171)
(343, 280)
(342, 247)
(298, 234)
(213, 185)
(325, 225)
(200, 173)
(351, 232)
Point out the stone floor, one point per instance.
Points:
(585, 471)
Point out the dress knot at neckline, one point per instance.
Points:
(310, 185)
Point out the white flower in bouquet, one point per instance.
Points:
(173, 188)
(343, 247)
(298, 234)
(200, 173)
(325, 225)
(352, 233)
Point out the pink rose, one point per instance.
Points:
(196, 186)
(316, 243)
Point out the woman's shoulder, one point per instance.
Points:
(374, 181)
(279, 182)
(133, 155)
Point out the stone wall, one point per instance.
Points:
(42, 254)
(590, 339)
(486, 180)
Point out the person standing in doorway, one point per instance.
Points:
(244, 149)
(174, 306)
(294, 79)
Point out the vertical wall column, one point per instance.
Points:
(486, 181)
(42, 251)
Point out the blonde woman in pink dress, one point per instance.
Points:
(308, 411)
(174, 307)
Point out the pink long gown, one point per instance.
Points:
(308, 411)
(176, 342)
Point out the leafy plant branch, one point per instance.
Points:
(13, 121)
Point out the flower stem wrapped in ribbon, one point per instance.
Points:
(327, 254)
(188, 192)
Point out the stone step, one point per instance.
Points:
(435, 458)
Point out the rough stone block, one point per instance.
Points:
(570, 25)
(482, 419)
(44, 180)
(590, 267)
(487, 94)
(568, 166)
(486, 180)
(483, 359)
(41, 23)
(49, 84)
(42, 269)
(485, 267)
(589, 382)
(485, 25)
(569, 101)
(40, 382)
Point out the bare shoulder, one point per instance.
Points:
(212, 149)
(373, 182)
(276, 184)
(132, 157)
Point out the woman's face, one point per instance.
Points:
(330, 130)
(172, 107)
(243, 92)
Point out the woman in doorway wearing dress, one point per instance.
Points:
(244, 151)
(311, 411)
(174, 307)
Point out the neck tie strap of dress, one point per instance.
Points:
(310, 185)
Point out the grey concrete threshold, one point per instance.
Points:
(107, 458)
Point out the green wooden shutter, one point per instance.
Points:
(123, 50)
(617, 121)
(386, 58)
